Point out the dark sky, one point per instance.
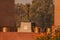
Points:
(23, 1)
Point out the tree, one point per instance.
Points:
(42, 13)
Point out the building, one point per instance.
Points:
(7, 14)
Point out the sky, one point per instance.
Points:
(23, 1)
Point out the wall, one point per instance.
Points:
(6, 13)
(17, 36)
(57, 12)
(56, 15)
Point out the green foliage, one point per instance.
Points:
(41, 12)
(49, 37)
(38, 39)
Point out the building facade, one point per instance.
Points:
(7, 13)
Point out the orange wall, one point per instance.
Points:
(17, 36)
(57, 12)
(56, 15)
